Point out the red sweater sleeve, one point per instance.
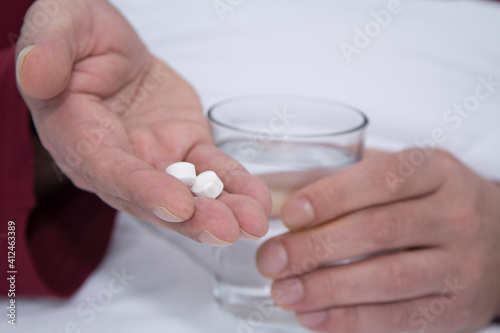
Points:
(60, 240)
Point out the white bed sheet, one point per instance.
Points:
(429, 57)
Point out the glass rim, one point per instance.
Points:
(364, 119)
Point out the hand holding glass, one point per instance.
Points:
(288, 142)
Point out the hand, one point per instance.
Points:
(113, 117)
(434, 226)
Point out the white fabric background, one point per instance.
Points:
(427, 59)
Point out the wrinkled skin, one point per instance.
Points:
(441, 224)
(113, 117)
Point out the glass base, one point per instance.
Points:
(251, 304)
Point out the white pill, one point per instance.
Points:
(183, 171)
(207, 185)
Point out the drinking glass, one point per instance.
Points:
(289, 142)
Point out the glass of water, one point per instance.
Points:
(289, 142)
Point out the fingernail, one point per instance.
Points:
(206, 237)
(311, 320)
(165, 215)
(297, 213)
(272, 258)
(20, 60)
(287, 292)
(246, 236)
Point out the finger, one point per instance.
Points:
(388, 278)
(44, 69)
(378, 180)
(402, 225)
(250, 215)
(236, 178)
(131, 185)
(431, 314)
(47, 53)
(213, 222)
(51, 53)
(118, 173)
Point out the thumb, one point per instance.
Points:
(44, 69)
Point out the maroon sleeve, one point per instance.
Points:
(58, 241)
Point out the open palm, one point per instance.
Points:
(113, 117)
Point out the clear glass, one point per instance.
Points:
(289, 142)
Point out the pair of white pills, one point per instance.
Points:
(206, 184)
